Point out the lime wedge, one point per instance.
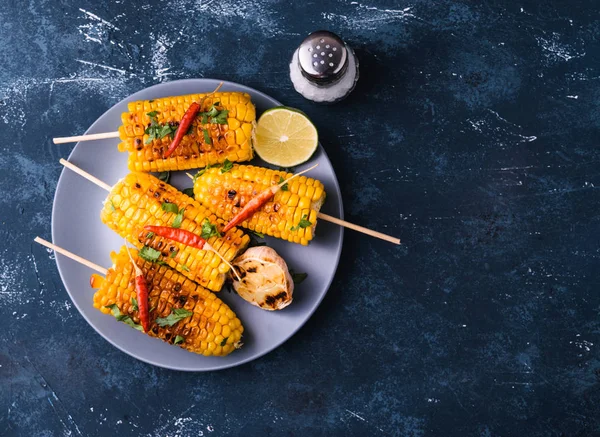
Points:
(285, 137)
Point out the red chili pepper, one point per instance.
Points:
(258, 201)
(185, 124)
(180, 235)
(141, 289)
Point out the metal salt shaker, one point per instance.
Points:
(324, 68)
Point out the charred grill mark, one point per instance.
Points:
(177, 287)
(272, 300)
(231, 194)
(251, 270)
(138, 186)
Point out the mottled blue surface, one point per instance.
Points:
(472, 134)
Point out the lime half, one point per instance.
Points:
(285, 137)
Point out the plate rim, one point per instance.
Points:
(217, 367)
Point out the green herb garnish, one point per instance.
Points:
(298, 278)
(304, 223)
(206, 137)
(224, 342)
(149, 254)
(179, 339)
(134, 304)
(173, 254)
(170, 207)
(214, 115)
(178, 219)
(176, 315)
(149, 235)
(209, 230)
(123, 317)
(258, 234)
(184, 267)
(156, 130)
(227, 165)
(284, 187)
(112, 206)
(164, 176)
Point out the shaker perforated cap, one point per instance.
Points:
(323, 57)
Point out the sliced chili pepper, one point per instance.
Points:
(258, 201)
(180, 235)
(141, 289)
(185, 124)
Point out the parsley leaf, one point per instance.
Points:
(221, 117)
(170, 207)
(123, 317)
(227, 165)
(206, 137)
(284, 187)
(152, 114)
(189, 192)
(149, 254)
(174, 253)
(179, 339)
(178, 219)
(304, 223)
(157, 131)
(209, 230)
(202, 171)
(176, 315)
(298, 278)
(224, 342)
(184, 267)
(112, 206)
(258, 234)
(149, 235)
(190, 130)
(164, 176)
(134, 304)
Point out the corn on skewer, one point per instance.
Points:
(211, 328)
(206, 143)
(291, 215)
(137, 201)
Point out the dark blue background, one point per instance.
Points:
(472, 134)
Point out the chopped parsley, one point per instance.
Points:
(258, 234)
(170, 207)
(123, 317)
(176, 315)
(164, 176)
(224, 342)
(184, 267)
(178, 219)
(227, 165)
(214, 115)
(298, 278)
(134, 304)
(149, 254)
(156, 131)
(179, 339)
(206, 136)
(174, 253)
(209, 230)
(149, 235)
(284, 187)
(304, 223)
(203, 170)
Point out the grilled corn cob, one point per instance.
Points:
(224, 194)
(137, 200)
(230, 141)
(212, 329)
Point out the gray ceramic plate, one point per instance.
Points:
(76, 226)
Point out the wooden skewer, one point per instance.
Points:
(90, 137)
(354, 227)
(71, 255)
(320, 215)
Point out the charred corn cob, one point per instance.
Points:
(224, 194)
(206, 143)
(212, 328)
(138, 199)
